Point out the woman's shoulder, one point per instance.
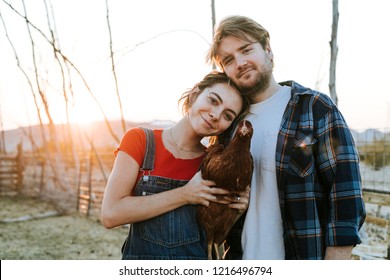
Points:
(138, 134)
(133, 143)
(132, 135)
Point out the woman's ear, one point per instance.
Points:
(193, 95)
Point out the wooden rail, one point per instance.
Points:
(11, 172)
(90, 196)
(377, 197)
(380, 225)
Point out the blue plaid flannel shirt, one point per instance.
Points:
(317, 168)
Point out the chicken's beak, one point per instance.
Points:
(244, 130)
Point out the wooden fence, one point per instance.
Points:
(376, 237)
(11, 172)
(89, 194)
(32, 175)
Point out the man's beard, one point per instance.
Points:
(260, 84)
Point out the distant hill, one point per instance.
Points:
(101, 138)
(96, 131)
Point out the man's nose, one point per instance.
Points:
(241, 61)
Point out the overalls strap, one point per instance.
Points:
(150, 151)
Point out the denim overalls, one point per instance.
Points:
(173, 235)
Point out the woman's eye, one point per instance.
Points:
(229, 117)
(213, 100)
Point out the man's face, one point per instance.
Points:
(246, 63)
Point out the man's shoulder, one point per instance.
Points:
(300, 93)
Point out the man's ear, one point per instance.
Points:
(270, 53)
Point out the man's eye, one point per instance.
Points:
(247, 50)
(227, 61)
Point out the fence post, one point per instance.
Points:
(90, 167)
(20, 168)
(42, 163)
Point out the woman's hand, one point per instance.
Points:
(240, 201)
(200, 191)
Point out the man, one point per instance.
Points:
(306, 194)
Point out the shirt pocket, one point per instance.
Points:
(268, 150)
(302, 159)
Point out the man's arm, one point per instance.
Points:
(338, 253)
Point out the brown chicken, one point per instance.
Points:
(230, 168)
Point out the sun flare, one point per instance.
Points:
(84, 117)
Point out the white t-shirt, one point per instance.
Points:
(262, 236)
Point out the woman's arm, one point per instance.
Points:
(121, 207)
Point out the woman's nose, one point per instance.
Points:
(214, 115)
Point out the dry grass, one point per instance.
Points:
(63, 237)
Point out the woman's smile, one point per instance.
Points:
(208, 123)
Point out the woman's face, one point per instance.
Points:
(215, 109)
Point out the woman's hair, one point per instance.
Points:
(188, 98)
(240, 27)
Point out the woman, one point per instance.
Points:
(160, 202)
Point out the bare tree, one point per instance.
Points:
(213, 23)
(70, 64)
(52, 150)
(113, 68)
(333, 52)
(37, 82)
(2, 140)
(66, 86)
(27, 78)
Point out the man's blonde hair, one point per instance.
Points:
(240, 27)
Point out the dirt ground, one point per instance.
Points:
(25, 233)
(33, 229)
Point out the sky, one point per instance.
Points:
(159, 51)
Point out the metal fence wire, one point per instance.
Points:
(374, 150)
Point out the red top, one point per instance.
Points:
(166, 165)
